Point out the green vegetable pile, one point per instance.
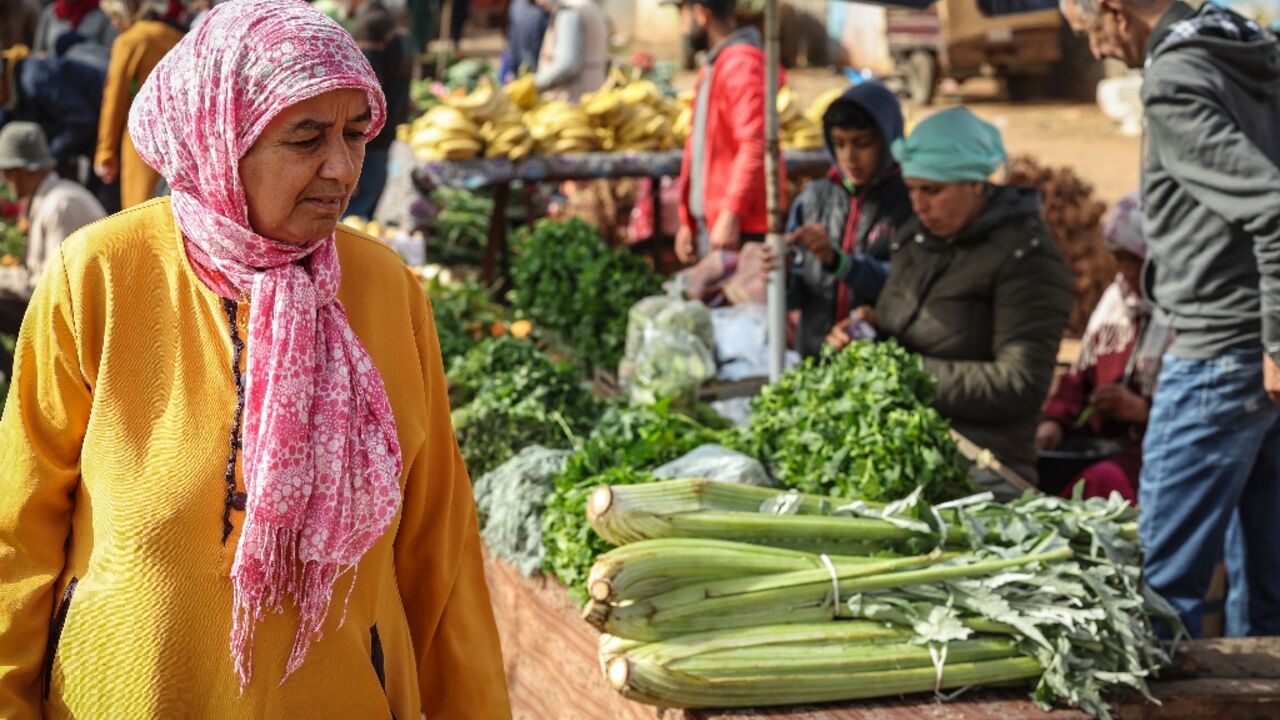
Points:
(569, 282)
(464, 312)
(509, 500)
(858, 424)
(460, 229)
(508, 395)
(627, 441)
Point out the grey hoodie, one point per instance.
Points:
(1211, 180)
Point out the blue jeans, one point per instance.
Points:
(1211, 464)
(373, 178)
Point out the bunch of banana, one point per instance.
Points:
(819, 107)
(444, 133)
(522, 91)
(682, 123)
(788, 108)
(631, 116)
(483, 104)
(797, 131)
(506, 137)
(642, 129)
(802, 134)
(559, 128)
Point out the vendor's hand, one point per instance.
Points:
(1271, 378)
(866, 314)
(1048, 435)
(685, 250)
(813, 237)
(1120, 403)
(107, 171)
(727, 232)
(839, 338)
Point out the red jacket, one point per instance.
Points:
(734, 153)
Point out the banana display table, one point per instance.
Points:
(500, 174)
(553, 672)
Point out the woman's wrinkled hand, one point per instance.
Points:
(1048, 435)
(866, 314)
(107, 171)
(1120, 403)
(839, 337)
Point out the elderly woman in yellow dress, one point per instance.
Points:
(230, 485)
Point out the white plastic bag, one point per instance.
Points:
(716, 462)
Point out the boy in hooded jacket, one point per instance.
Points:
(842, 224)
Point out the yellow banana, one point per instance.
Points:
(819, 107)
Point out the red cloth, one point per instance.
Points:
(844, 293)
(734, 139)
(1074, 388)
(1071, 398)
(74, 10)
(1103, 478)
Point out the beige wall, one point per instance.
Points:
(656, 27)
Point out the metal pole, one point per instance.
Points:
(777, 280)
(446, 37)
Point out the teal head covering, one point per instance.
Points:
(951, 146)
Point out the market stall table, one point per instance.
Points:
(553, 672)
(499, 174)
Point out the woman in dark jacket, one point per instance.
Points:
(977, 288)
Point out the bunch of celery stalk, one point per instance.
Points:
(724, 595)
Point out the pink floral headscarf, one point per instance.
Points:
(321, 458)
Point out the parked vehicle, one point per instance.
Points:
(956, 39)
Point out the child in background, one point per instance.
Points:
(852, 214)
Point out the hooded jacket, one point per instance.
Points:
(858, 221)
(1211, 180)
(986, 310)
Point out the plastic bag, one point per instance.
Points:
(705, 279)
(669, 349)
(742, 342)
(716, 462)
(747, 285)
(670, 364)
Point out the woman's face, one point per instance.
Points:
(300, 174)
(945, 208)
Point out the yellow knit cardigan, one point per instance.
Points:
(115, 600)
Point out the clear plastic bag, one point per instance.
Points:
(716, 462)
(670, 364)
(670, 348)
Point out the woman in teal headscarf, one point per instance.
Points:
(976, 286)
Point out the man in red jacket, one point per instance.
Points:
(722, 198)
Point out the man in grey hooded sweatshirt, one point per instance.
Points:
(1210, 485)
